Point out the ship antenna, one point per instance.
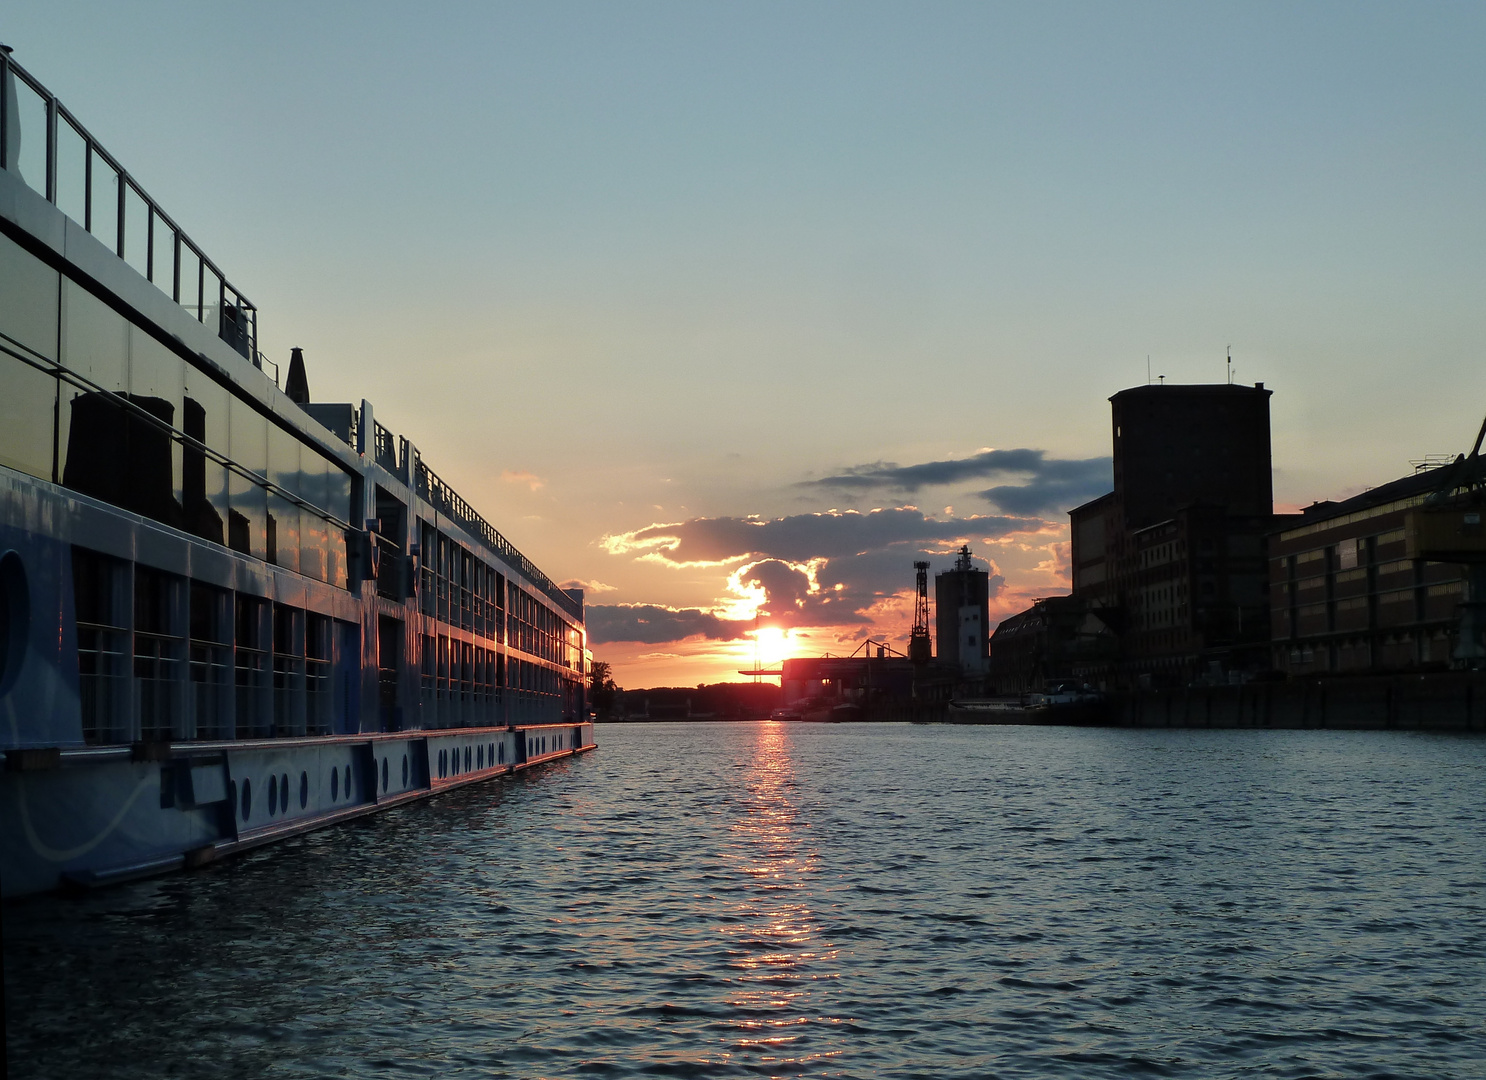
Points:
(1230, 365)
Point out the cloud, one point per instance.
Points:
(532, 480)
(799, 538)
(651, 624)
(594, 586)
(1052, 484)
(837, 569)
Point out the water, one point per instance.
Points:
(818, 900)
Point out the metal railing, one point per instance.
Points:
(432, 489)
(43, 144)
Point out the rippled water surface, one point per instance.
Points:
(818, 900)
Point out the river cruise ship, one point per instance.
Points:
(228, 614)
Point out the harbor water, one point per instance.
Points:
(766, 899)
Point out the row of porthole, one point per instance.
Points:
(476, 757)
(540, 745)
(278, 794)
(278, 787)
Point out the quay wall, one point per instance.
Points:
(1436, 701)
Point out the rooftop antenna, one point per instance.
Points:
(1230, 365)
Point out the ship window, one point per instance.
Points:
(283, 531)
(429, 664)
(100, 592)
(28, 299)
(248, 436)
(159, 653)
(210, 661)
(27, 408)
(253, 669)
(288, 671)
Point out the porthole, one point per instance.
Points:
(232, 793)
(490, 754)
(247, 806)
(273, 797)
(335, 784)
(304, 790)
(405, 770)
(443, 763)
(466, 759)
(480, 758)
(348, 781)
(284, 791)
(384, 774)
(501, 754)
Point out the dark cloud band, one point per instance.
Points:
(1052, 484)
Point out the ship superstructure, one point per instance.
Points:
(227, 614)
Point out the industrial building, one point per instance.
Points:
(962, 617)
(1352, 591)
(1173, 559)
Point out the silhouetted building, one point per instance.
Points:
(1057, 639)
(1346, 595)
(864, 680)
(1173, 558)
(962, 616)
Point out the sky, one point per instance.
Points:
(731, 312)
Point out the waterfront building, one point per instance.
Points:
(1057, 639)
(1173, 558)
(1348, 596)
(962, 617)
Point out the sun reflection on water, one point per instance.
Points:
(775, 941)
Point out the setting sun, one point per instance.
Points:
(773, 645)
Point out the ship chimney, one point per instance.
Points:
(297, 386)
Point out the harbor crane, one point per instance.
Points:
(1447, 527)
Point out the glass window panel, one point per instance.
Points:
(247, 517)
(25, 149)
(91, 425)
(313, 475)
(155, 371)
(213, 398)
(206, 498)
(335, 557)
(204, 480)
(338, 492)
(312, 545)
(27, 411)
(211, 299)
(136, 230)
(249, 437)
(284, 521)
(104, 196)
(190, 283)
(283, 454)
(164, 272)
(72, 171)
(95, 339)
(156, 384)
(28, 299)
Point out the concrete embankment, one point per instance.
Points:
(1436, 701)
